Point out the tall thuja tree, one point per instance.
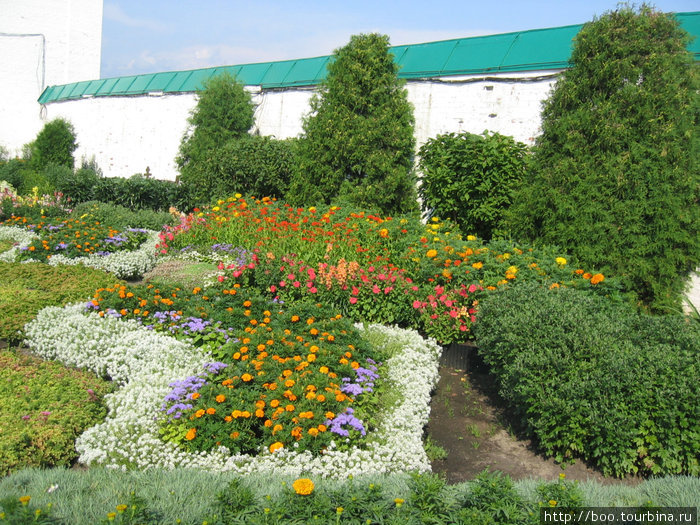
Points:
(358, 142)
(224, 112)
(616, 168)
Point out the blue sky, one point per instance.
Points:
(147, 36)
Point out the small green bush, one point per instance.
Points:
(12, 171)
(253, 165)
(43, 408)
(77, 186)
(596, 380)
(119, 217)
(137, 192)
(470, 178)
(27, 288)
(54, 144)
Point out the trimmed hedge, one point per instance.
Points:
(597, 380)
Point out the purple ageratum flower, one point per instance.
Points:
(353, 389)
(195, 324)
(90, 306)
(346, 418)
(61, 246)
(215, 367)
(113, 313)
(181, 390)
(53, 228)
(137, 230)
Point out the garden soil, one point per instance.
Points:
(471, 423)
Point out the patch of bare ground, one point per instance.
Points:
(471, 422)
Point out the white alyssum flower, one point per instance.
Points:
(15, 234)
(145, 363)
(124, 264)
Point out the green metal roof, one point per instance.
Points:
(533, 50)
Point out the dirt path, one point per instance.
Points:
(469, 421)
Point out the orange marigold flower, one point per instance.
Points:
(587, 275)
(191, 433)
(597, 278)
(276, 446)
(303, 486)
(313, 432)
(194, 395)
(431, 253)
(579, 271)
(220, 398)
(211, 411)
(247, 377)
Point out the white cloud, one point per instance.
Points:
(115, 13)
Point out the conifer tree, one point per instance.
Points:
(358, 142)
(616, 168)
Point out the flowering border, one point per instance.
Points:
(144, 363)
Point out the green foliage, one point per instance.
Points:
(358, 141)
(251, 165)
(11, 171)
(615, 176)
(54, 144)
(77, 186)
(20, 511)
(224, 112)
(137, 192)
(596, 380)
(43, 408)
(492, 498)
(84, 497)
(470, 179)
(27, 288)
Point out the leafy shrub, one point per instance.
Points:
(137, 192)
(615, 176)
(596, 380)
(12, 171)
(54, 144)
(77, 186)
(252, 165)
(27, 288)
(470, 179)
(358, 141)
(43, 408)
(120, 218)
(224, 112)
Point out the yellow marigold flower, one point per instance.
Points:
(398, 502)
(471, 237)
(560, 261)
(478, 265)
(276, 446)
(597, 278)
(121, 508)
(247, 377)
(552, 503)
(199, 413)
(111, 516)
(25, 499)
(303, 486)
(431, 253)
(553, 286)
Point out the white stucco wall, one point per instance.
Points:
(127, 134)
(43, 43)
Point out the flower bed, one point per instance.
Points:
(146, 363)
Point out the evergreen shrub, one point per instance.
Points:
(54, 144)
(224, 112)
(615, 178)
(358, 141)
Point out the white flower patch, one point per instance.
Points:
(124, 264)
(21, 236)
(145, 363)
